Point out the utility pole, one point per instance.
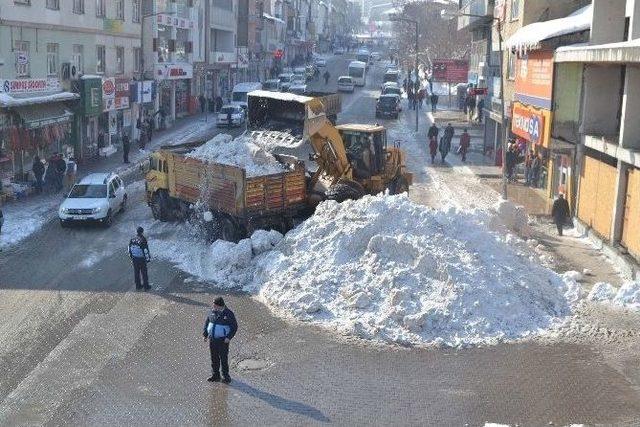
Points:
(395, 18)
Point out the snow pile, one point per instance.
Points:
(513, 216)
(386, 269)
(628, 296)
(240, 152)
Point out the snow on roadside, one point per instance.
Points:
(386, 269)
(628, 296)
(241, 152)
(23, 218)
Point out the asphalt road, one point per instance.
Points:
(79, 347)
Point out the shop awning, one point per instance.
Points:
(37, 116)
(9, 101)
(615, 53)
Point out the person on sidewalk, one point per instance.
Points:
(528, 163)
(465, 143)
(140, 256)
(480, 110)
(219, 103)
(220, 327)
(560, 212)
(61, 168)
(70, 174)
(444, 148)
(535, 171)
(420, 97)
(434, 102)
(203, 102)
(471, 106)
(38, 172)
(433, 148)
(126, 146)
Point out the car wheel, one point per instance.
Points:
(124, 203)
(108, 220)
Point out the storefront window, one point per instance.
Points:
(164, 35)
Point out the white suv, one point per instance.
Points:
(97, 197)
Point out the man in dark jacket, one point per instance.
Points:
(560, 212)
(220, 326)
(139, 254)
(126, 146)
(38, 172)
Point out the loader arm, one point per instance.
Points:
(331, 155)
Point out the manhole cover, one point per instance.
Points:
(252, 364)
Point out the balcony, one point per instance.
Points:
(482, 8)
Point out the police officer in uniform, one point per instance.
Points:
(139, 254)
(219, 327)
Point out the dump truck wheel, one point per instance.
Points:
(344, 190)
(160, 206)
(228, 230)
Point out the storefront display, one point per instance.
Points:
(183, 92)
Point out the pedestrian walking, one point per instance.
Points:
(50, 175)
(528, 163)
(219, 103)
(61, 168)
(220, 327)
(140, 256)
(560, 212)
(511, 162)
(203, 103)
(126, 146)
(38, 172)
(480, 110)
(420, 98)
(434, 102)
(535, 171)
(70, 174)
(326, 76)
(433, 148)
(471, 106)
(100, 139)
(444, 148)
(465, 143)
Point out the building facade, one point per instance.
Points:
(66, 69)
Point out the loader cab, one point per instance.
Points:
(365, 146)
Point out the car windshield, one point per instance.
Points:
(88, 191)
(344, 81)
(240, 96)
(227, 110)
(387, 100)
(393, 90)
(270, 85)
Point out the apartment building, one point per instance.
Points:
(66, 69)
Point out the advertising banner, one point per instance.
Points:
(30, 85)
(450, 71)
(534, 79)
(528, 123)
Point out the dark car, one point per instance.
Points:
(388, 106)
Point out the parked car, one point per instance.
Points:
(346, 84)
(320, 62)
(272, 85)
(96, 198)
(376, 56)
(298, 80)
(285, 81)
(338, 51)
(391, 76)
(391, 89)
(388, 106)
(238, 116)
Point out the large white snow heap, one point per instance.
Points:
(241, 152)
(384, 268)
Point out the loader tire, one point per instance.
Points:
(398, 185)
(345, 190)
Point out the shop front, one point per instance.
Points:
(35, 118)
(87, 116)
(597, 192)
(143, 94)
(532, 127)
(174, 92)
(115, 121)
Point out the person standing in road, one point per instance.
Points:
(38, 172)
(465, 143)
(126, 146)
(434, 102)
(326, 76)
(560, 212)
(140, 256)
(220, 327)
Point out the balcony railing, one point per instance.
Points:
(476, 7)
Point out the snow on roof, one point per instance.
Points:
(618, 52)
(8, 101)
(530, 36)
(282, 96)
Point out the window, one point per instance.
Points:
(120, 9)
(78, 6)
(100, 59)
(100, 9)
(511, 66)
(21, 51)
(119, 60)
(137, 60)
(53, 4)
(515, 9)
(135, 14)
(24, 2)
(52, 59)
(77, 58)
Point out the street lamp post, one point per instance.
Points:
(505, 131)
(415, 68)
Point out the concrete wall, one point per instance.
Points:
(602, 86)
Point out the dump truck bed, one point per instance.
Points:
(332, 102)
(227, 188)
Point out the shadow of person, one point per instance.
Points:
(280, 402)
